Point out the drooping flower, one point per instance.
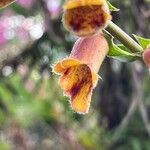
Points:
(4, 3)
(79, 71)
(146, 57)
(85, 17)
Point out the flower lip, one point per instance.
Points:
(63, 65)
(77, 81)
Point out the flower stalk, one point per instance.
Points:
(124, 38)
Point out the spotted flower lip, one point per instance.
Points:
(79, 71)
(4, 3)
(85, 17)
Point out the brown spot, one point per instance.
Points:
(66, 72)
(76, 89)
(76, 24)
(98, 22)
(86, 80)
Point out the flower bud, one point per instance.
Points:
(85, 17)
(79, 71)
(146, 57)
(4, 3)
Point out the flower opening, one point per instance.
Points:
(84, 17)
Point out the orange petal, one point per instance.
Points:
(70, 4)
(77, 84)
(69, 78)
(63, 65)
(77, 80)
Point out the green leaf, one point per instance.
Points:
(142, 41)
(111, 7)
(120, 52)
(121, 46)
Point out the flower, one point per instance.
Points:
(79, 71)
(146, 57)
(4, 3)
(85, 17)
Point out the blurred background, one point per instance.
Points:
(34, 114)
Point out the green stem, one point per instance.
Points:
(124, 38)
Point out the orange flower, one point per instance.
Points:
(85, 17)
(79, 71)
(4, 3)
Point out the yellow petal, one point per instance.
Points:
(77, 81)
(69, 78)
(61, 66)
(81, 91)
(70, 4)
(77, 84)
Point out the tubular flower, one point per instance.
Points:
(146, 57)
(85, 17)
(79, 71)
(4, 3)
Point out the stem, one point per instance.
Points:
(124, 38)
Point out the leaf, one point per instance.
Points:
(111, 7)
(121, 46)
(142, 41)
(120, 52)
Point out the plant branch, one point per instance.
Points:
(124, 38)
